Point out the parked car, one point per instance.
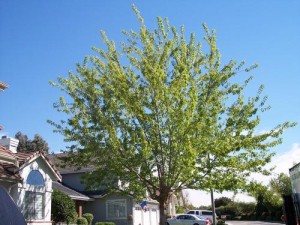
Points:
(207, 214)
(10, 213)
(187, 219)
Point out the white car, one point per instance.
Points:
(188, 219)
(207, 214)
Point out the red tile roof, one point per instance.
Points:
(6, 153)
(10, 171)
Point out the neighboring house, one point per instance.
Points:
(27, 177)
(113, 207)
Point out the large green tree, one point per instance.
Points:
(162, 114)
(27, 145)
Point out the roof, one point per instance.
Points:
(8, 175)
(96, 193)
(55, 160)
(8, 164)
(73, 194)
(11, 163)
(295, 167)
(5, 154)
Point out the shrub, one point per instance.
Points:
(110, 223)
(63, 208)
(82, 221)
(221, 222)
(89, 217)
(105, 223)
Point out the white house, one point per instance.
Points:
(27, 177)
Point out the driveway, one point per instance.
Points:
(232, 222)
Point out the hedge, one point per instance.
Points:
(89, 217)
(82, 221)
(105, 223)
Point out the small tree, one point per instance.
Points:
(63, 208)
(281, 184)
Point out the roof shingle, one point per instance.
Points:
(71, 192)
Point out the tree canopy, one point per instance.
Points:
(281, 184)
(162, 113)
(268, 197)
(222, 201)
(27, 145)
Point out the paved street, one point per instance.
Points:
(229, 222)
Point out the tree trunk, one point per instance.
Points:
(162, 215)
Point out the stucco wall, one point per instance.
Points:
(18, 191)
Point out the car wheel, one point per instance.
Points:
(195, 224)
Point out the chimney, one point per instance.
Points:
(10, 143)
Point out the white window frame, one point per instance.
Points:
(33, 215)
(36, 201)
(121, 203)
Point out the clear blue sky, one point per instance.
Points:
(41, 40)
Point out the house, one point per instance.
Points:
(27, 177)
(105, 206)
(292, 201)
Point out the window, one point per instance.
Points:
(116, 209)
(34, 205)
(207, 213)
(181, 217)
(188, 217)
(34, 201)
(35, 178)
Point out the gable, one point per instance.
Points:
(13, 166)
(37, 162)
